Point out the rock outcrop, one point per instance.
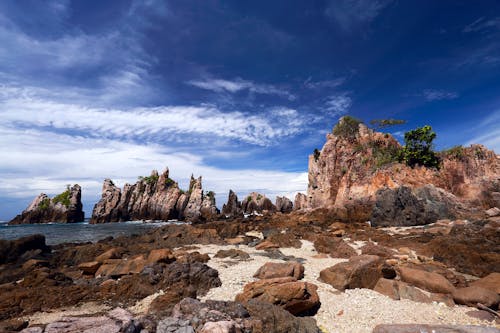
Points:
(359, 178)
(257, 203)
(233, 207)
(284, 205)
(65, 207)
(156, 197)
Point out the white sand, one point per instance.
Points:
(357, 310)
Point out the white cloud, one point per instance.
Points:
(309, 83)
(488, 131)
(438, 95)
(337, 104)
(22, 107)
(353, 14)
(236, 85)
(33, 161)
(481, 25)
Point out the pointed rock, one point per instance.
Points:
(233, 207)
(257, 203)
(284, 205)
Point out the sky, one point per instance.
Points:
(239, 92)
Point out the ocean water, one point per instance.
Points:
(56, 233)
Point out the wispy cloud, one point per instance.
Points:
(488, 132)
(438, 95)
(336, 105)
(482, 24)
(350, 15)
(334, 83)
(238, 84)
(22, 108)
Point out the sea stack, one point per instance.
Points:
(65, 207)
(154, 197)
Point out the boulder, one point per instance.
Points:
(160, 255)
(334, 246)
(495, 211)
(400, 290)
(116, 268)
(115, 321)
(272, 270)
(296, 297)
(233, 207)
(283, 205)
(432, 282)
(12, 250)
(359, 272)
(65, 207)
(377, 250)
(113, 253)
(232, 254)
(472, 295)
(490, 282)
(89, 268)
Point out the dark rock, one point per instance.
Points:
(403, 207)
(65, 207)
(284, 205)
(10, 251)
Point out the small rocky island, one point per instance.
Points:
(65, 207)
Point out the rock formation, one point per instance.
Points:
(65, 207)
(300, 201)
(233, 207)
(360, 179)
(156, 197)
(257, 203)
(284, 205)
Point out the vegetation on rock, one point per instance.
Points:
(149, 179)
(383, 123)
(63, 198)
(347, 127)
(418, 148)
(44, 205)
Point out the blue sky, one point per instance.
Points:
(239, 92)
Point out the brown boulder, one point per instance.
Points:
(160, 255)
(490, 282)
(432, 282)
(116, 267)
(334, 246)
(233, 254)
(401, 290)
(264, 245)
(359, 272)
(89, 268)
(296, 297)
(472, 295)
(377, 250)
(114, 253)
(272, 270)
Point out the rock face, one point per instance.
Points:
(300, 201)
(156, 197)
(358, 177)
(257, 203)
(65, 207)
(233, 207)
(284, 205)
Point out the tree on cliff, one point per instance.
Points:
(418, 148)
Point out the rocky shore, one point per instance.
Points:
(298, 272)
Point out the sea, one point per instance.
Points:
(57, 233)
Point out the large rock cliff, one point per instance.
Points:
(360, 179)
(65, 207)
(156, 197)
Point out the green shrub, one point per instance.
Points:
(418, 148)
(259, 196)
(211, 194)
(249, 198)
(169, 182)
(383, 155)
(347, 127)
(63, 198)
(44, 205)
(149, 179)
(455, 153)
(383, 123)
